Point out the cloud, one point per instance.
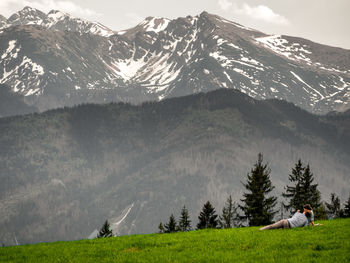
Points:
(67, 6)
(259, 12)
(9, 7)
(131, 19)
(224, 4)
(262, 12)
(134, 18)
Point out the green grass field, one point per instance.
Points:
(327, 243)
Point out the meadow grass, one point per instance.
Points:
(327, 243)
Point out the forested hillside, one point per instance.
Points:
(63, 172)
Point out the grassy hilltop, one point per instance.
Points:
(327, 243)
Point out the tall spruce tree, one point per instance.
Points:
(347, 208)
(184, 221)
(257, 207)
(303, 191)
(333, 208)
(229, 217)
(171, 226)
(208, 217)
(310, 194)
(105, 231)
(294, 192)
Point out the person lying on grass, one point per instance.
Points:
(297, 220)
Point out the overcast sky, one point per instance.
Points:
(322, 21)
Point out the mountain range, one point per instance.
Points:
(168, 113)
(64, 172)
(54, 60)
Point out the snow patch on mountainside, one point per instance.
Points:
(153, 24)
(157, 24)
(228, 77)
(12, 45)
(117, 221)
(294, 51)
(99, 29)
(302, 81)
(128, 69)
(55, 16)
(27, 65)
(281, 46)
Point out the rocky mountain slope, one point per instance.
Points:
(64, 172)
(55, 60)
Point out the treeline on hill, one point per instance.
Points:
(258, 208)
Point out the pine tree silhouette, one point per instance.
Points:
(184, 221)
(208, 217)
(294, 192)
(303, 191)
(229, 217)
(105, 230)
(161, 228)
(333, 208)
(310, 194)
(170, 227)
(257, 208)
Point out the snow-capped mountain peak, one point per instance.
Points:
(161, 58)
(55, 15)
(27, 16)
(55, 20)
(155, 24)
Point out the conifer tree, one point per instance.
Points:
(294, 192)
(184, 221)
(333, 208)
(347, 208)
(161, 228)
(257, 208)
(170, 227)
(105, 231)
(208, 217)
(310, 194)
(303, 191)
(229, 217)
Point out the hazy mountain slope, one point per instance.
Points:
(64, 172)
(54, 62)
(13, 103)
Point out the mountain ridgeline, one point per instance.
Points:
(55, 60)
(65, 171)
